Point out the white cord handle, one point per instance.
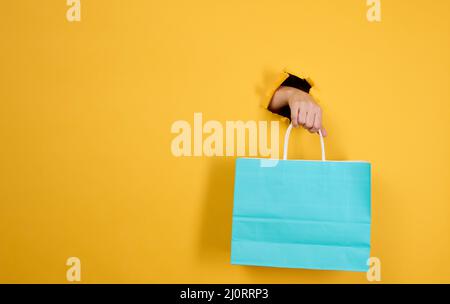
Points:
(286, 143)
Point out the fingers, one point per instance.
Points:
(310, 117)
(312, 121)
(317, 125)
(294, 115)
(302, 116)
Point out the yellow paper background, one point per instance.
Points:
(86, 109)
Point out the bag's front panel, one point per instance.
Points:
(302, 214)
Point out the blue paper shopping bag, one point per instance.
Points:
(302, 214)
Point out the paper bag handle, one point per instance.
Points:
(286, 143)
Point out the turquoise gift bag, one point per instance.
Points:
(302, 214)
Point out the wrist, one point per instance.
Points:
(294, 94)
(283, 97)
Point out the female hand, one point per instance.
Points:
(305, 112)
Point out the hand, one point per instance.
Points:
(305, 111)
